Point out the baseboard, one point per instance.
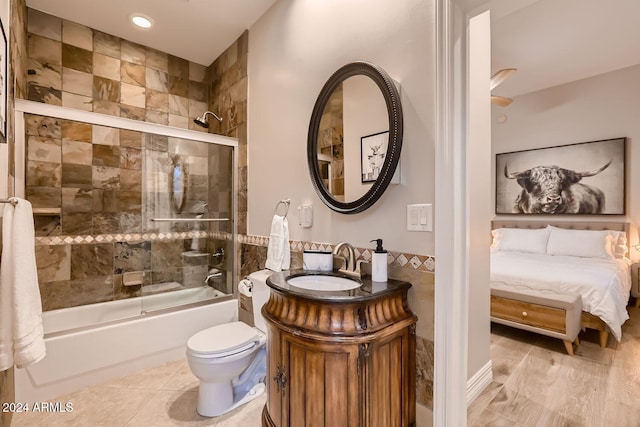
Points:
(477, 383)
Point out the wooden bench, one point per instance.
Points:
(554, 315)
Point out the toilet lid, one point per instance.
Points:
(223, 339)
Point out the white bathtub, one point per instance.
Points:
(83, 350)
(66, 319)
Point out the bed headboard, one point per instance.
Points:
(592, 225)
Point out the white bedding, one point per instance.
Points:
(604, 284)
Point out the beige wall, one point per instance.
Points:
(600, 107)
(293, 49)
(479, 210)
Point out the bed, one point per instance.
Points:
(558, 278)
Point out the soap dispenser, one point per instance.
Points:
(379, 263)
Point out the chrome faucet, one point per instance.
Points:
(350, 260)
(350, 267)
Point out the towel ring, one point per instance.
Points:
(286, 203)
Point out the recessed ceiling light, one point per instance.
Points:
(141, 20)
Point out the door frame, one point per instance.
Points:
(452, 210)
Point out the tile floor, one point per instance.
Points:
(165, 395)
(536, 383)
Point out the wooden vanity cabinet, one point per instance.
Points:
(340, 363)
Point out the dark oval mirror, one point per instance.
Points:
(355, 137)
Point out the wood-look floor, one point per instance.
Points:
(535, 382)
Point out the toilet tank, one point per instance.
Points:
(260, 295)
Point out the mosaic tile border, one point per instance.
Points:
(398, 259)
(129, 237)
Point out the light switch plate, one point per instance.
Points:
(420, 217)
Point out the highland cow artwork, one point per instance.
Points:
(577, 179)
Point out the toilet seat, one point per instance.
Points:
(223, 340)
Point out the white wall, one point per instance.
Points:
(293, 49)
(364, 113)
(478, 183)
(600, 107)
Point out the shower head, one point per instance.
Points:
(202, 120)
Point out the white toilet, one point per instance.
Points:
(230, 359)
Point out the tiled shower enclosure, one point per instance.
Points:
(123, 213)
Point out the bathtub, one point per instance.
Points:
(91, 344)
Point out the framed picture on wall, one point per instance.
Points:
(373, 150)
(3, 84)
(577, 179)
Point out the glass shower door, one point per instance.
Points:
(188, 213)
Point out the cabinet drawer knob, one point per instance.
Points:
(525, 314)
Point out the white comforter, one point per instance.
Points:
(604, 284)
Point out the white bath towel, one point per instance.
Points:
(278, 251)
(21, 333)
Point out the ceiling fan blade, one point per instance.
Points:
(501, 100)
(500, 76)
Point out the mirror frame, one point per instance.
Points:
(394, 109)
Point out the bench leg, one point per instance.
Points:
(604, 337)
(637, 302)
(569, 346)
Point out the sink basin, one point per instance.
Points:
(317, 282)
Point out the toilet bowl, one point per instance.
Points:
(230, 359)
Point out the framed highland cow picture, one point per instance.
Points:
(577, 179)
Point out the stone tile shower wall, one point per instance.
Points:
(228, 98)
(78, 67)
(94, 203)
(87, 181)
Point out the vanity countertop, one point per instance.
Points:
(367, 291)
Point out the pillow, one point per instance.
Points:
(520, 240)
(582, 243)
(619, 243)
(621, 251)
(618, 240)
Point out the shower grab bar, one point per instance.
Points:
(189, 219)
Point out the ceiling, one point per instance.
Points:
(550, 42)
(196, 30)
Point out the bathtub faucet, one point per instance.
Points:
(211, 276)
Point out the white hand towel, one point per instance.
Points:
(278, 251)
(21, 332)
